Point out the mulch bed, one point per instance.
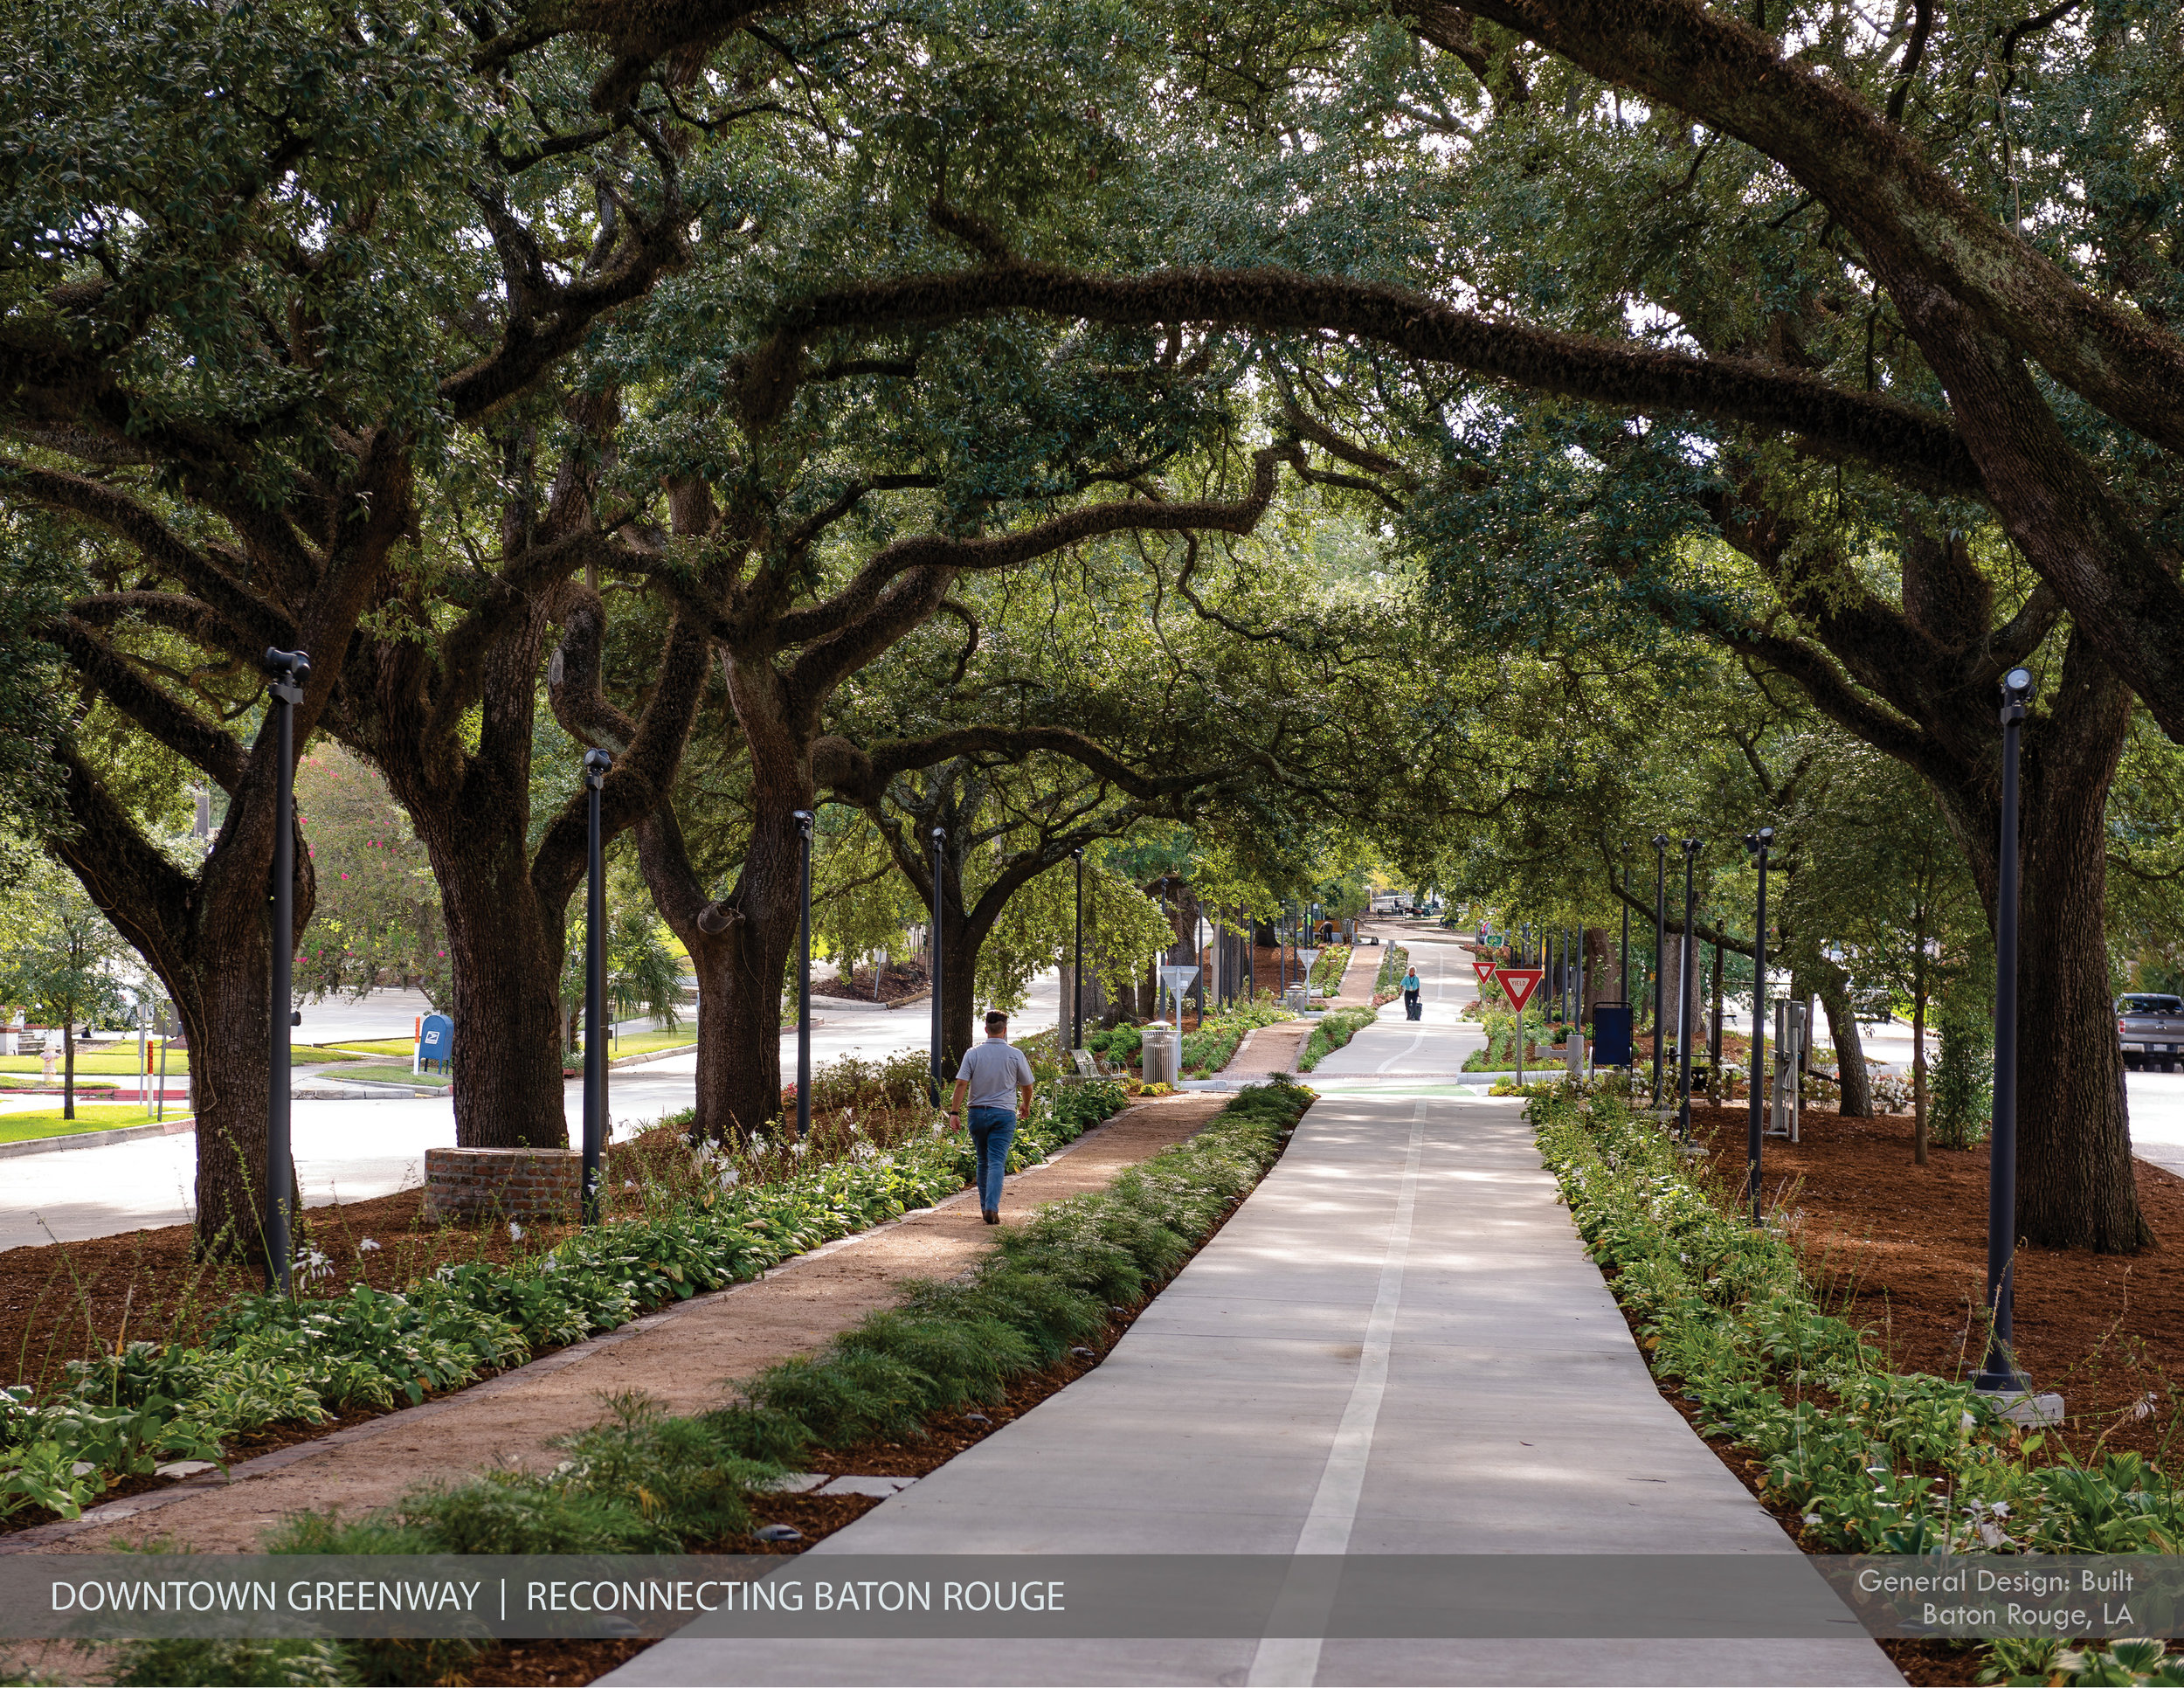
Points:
(898, 980)
(1901, 1250)
(64, 1301)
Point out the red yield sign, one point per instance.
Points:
(1519, 983)
(1484, 968)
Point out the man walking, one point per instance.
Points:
(993, 1075)
(1412, 1008)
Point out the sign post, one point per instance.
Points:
(1517, 984)
(1178, 980)
(1304, 959)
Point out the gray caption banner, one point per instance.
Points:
(1072, 1596)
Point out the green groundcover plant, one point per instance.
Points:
(1335, 1029)
(1206, 1050)
(1867, 1459)
(646, 1480)
(273, 1359)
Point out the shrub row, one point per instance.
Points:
(276, 1359)
(643, 1481)
(1335, 1029)
(1867, 1459)
(1207, 1049)
(1387, 984)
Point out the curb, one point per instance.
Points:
(656, 1055)
(42, 1146)
(867, 1002)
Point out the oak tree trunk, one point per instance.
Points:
(506, 952)
(1812, 978)
(2075, 1186)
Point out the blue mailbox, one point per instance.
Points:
(435, 1042)
(1611, 1034)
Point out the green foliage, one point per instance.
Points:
(376, 920)
(1333, 1030)
(1393, 965)
(253, 1663)
(1872, 1461)
(1962, 1083)
(1207, 1049)
(59, 957)
(273, 1360)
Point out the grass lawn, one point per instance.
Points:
(108, 1058)
(631, 1043)
(389, 1074)
(99, 1116)
(628, 1044)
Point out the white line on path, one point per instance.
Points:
(1292, 1661)
(1418, 1038)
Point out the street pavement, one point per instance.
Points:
(1397, 1345)
(352, 1150)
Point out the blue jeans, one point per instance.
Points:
(992, 1130)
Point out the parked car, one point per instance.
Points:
(2150, 1029)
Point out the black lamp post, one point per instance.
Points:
(1660, 951)
(1758, 843)
(940, 842)
(2000, 1373)
(1622, 974)
(290, 670)
(803, 819)
(596, 763)
(1683, 992)
(1077, 971)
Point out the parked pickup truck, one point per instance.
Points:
(2152, 1028)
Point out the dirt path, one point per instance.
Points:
(681, 1356)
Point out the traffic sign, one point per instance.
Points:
(1518, 983)
(1484, 968)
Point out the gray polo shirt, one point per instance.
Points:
(994, 1069)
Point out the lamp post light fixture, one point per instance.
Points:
(1683, 992)
(1999, 1374)
(1660, 952)
(290, 670)
(1622, 973)
(1755, 1131)
(803, 819)
(595, 764)
(940, 972)
(1077, 971)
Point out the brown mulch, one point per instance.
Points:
(61, 1301)
(1901, 1250)
(898, 980)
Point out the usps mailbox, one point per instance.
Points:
(435, 1042)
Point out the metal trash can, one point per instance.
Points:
(1160, 1050)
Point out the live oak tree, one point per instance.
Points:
(287, 300)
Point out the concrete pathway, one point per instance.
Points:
(1396, 1047)
(1397, 1345)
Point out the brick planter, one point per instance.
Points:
(495, 1184)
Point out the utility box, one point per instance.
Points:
(1611, 1034)
(1159, 1048)
(1789, 1054)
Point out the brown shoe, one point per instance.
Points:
(992, 1215)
